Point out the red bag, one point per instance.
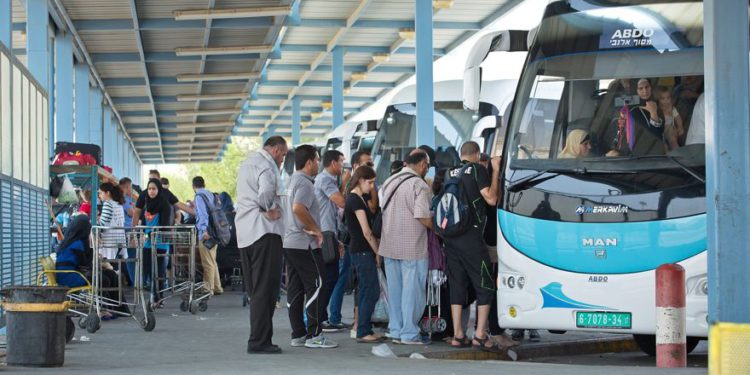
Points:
(67, 158)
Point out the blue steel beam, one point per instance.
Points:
(727, 163)
(425, 105)
(6, 23)
(347, 68)
(63, 88)
(352, 49)
(37, 43)
(260, 22)
(82, 115)
(296, 121)
(337, 87)
(95, 116)
(280, 83)
(139, 43)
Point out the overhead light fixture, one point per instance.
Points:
(305, 123)
(390, 119)
(407, 33)
(207, 97)
(212, 14)
(315, 115)
(381, 58)
(194, 125)
(359, 76)
(217, 76)
(236, 50)
(442, 4)
(347, 90)
(208, 112)
(326, 105)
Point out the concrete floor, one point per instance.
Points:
(214, 342)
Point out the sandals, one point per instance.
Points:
(463, 342)
(482, 342)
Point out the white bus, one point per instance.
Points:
(453, 126)
(581, 232)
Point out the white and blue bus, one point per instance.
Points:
(581, 234)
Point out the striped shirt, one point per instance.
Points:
(112, 239)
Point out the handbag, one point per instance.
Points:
(377, 222)
(343, 232)
(330, 248)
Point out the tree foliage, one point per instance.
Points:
(219, 177)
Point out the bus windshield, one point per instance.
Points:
(612, 89)
(398, 133)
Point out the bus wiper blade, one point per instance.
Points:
(534, 179)
(676, 162)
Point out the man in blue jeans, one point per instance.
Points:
(406, 214)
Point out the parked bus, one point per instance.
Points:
(453, 124)
(594, 196)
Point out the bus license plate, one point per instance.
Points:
(603, 319)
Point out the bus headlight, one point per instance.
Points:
(511, 282)
(521, 282)
(704, 287)
(512, 312)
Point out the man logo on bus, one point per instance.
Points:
(588, 242)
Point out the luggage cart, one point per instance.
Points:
(182, 241)
(114, 301)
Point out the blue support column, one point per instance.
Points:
(296, 122)
(51, 91)
(337, 86)
(82, 115)
(63, 88)
(37, 43)
(727, 165)
(6, 23)
(118, 167)
(107, 136)
(425, 105)
(95, 116)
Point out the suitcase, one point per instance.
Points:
(84, 148)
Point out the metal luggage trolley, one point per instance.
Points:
(182, 242)
(119, 238)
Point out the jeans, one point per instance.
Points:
(337, 296)
(369, 290)
(407, 283)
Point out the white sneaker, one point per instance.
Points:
(320, 342)
(298, 342)
(353, 333)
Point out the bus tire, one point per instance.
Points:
(647, 343)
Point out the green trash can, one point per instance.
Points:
(35, 323)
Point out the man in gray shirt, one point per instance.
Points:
(259, 230)
(331, 201)
(302, 242)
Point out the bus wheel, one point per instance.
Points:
(647, 343)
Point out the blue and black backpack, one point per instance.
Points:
(451, 206)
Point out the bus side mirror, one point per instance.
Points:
(497, 41)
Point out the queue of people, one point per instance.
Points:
(119, 210)
(329, 221)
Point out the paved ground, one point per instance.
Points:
(214, 342)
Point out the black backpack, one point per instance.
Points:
(451, 206)
(218, 225)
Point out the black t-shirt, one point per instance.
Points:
(358, 243)
(475, 179)
(141, 202)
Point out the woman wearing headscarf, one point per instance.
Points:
(157, 212)
(578, 145)
(227, 257)
(74, 253)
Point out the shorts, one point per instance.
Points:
(468, 264)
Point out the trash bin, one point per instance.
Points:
(35, 322)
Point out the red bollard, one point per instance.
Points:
(670, 316)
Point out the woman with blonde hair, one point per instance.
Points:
(577, 145)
